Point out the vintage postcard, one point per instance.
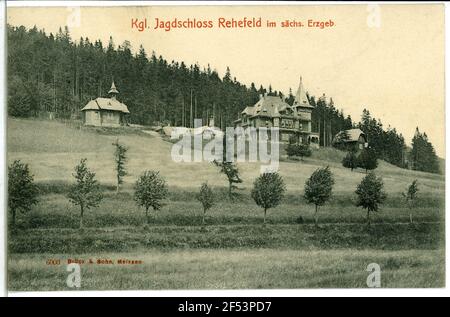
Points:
(182, 147)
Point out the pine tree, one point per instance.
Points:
(350, 160)
(206, 198)
(411, 196)
(423, 155)
(367, 159)
(232, 173)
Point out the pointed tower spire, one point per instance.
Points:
(113, 91)
(301, 100)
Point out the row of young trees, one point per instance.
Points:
(151, 189)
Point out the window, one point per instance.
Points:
(287, 123)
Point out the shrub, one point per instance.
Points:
(350, 161)
(367, 159)
(301, 150)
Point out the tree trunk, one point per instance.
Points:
(146, 215)
(13, 217)
(410, 217)
(230, 185)
(316, 216)
(81, 216)
(118, 184)
(203, 218)
(265, 212)
(368, 217)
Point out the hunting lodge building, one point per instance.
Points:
(294, 122)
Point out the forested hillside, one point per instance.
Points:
(53, 73)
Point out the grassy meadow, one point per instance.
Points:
(234, 250)
(235, 269)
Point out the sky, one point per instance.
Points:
(388, 58)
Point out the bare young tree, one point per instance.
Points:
(411, 196)
(232, 173)
(120, 159)
(206, 197)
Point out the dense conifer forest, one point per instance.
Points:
(53, 74)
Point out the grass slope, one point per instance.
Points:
(53, 149)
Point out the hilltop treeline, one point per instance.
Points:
(387, 144)
(423, 156)
(52, 73)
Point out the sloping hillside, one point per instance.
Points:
(52, 149)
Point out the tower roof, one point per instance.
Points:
(113, 89)
(301, 100)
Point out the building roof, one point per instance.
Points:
(270, 106)
(351, 135)
(106, 104)
(301, 100)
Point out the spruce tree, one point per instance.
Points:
(120, 158)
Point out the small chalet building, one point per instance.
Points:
(106, 112)
(353, 139)
(293, 121)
